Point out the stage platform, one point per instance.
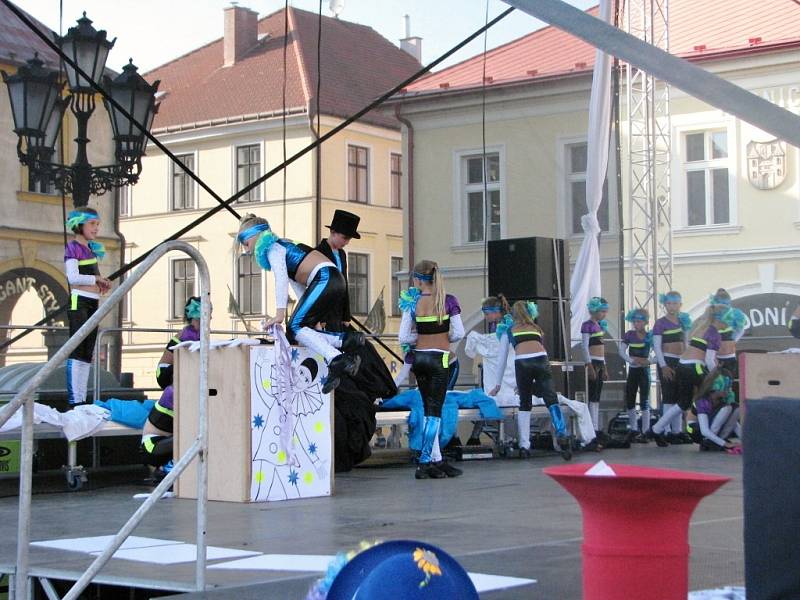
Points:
(503, 518)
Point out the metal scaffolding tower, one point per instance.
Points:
(650, 218)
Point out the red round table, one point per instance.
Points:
(635, 528)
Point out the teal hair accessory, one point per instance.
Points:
(664, 298)
(533, 310)
(261, 251)
(98, 249)
(734, 318)
(79, 217)
(408, 299)
(648, 338)
(721, 383)
(192, 309)
(603, 325)
(597, 304)
(685, 320)
(635, 314)
(504, 326)
(717, 301)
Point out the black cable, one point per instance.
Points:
(61, 148)
(283, 114)
(318, 169)
(487, 215)
(226, 204)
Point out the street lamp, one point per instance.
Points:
(38, 108)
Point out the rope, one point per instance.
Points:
(486, 203)
(226, 203)
(283, 114)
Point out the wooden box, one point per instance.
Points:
(263, 444)
(769, 375)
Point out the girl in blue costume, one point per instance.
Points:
(190, 333)
(592, 332)
(83, 275)
(699, 358)
(635, 350)
(432, 321)
(532, 370)
(670, 337)
(320, 288)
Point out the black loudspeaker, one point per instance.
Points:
(771, 477)
(526, 268)
(551, 311)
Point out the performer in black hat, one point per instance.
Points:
(343, 228)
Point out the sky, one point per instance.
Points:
(153, 32)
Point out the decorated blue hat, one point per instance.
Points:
(403, 569)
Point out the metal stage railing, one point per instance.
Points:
(24, 399)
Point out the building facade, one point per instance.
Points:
(224, 114)
(735, 192)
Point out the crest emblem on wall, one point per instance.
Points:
(766, 164)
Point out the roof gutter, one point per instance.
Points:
(409, 185)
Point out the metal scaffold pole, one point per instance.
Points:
(650, 223)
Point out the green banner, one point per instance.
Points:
(9, 457)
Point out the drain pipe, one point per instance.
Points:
(409, 186)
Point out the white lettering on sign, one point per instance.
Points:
(770, 315)
(786, 96)
(20, 285)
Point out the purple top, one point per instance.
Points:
(664, 324)
(712, 338)
(77, 251)
(704, 406)
(189, 334)
(166, 399)
(591, 327)
(451, 305)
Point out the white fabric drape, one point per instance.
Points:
(585, 281)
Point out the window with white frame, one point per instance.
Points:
(705, 165)
(395, 267)
(358, 282)
(482, 213)
(357, 174)
(248, 288)
(124, 200)
(182, 284)
(248, 169)
(182, 184)
(396, 172)
(577, 158)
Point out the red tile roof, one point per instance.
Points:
(698, 30)
(358, 65)
(18, 43)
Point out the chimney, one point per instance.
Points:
(241, 32)
(411, 44)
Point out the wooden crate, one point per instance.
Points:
(248, 458)
(769, 376)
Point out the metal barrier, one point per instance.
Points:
(198, 448)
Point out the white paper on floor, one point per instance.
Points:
(98, 543)
(146, 496)
(177, 553)
(601, 469)
(315, 563)
(726, 593)
(484, 582)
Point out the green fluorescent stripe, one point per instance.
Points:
(431, 319)
(149, 445)
(701, 340)
(88, 261)
(673, 330)
(166, 411)
(74, 301)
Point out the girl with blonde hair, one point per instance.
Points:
(431, 321)
(532, 370)
(320, 289)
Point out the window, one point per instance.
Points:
(358, 174)
(396, 172)
(248, 169)
(480, 213)
(124, 200)
(395, 268)
(358, 282)
(705, 164)
(577, 160)
(182, 184)
(248, 290)
(182, 284)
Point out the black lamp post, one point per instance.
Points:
(38, 109)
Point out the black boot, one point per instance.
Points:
(344, 364)
(566, 447)
(524, 453)
(660, 438)
(353, 340)
(448, 469)
(428, 471)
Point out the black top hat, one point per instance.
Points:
(345, 223)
